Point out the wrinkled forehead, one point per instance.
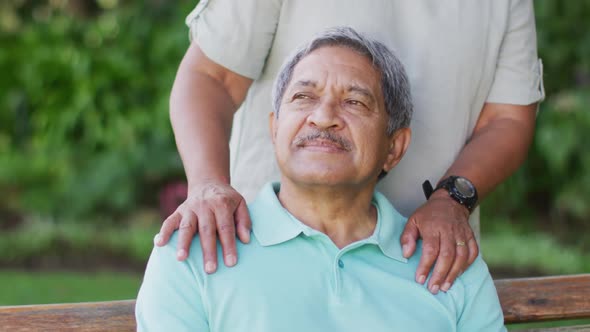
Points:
(336, 66)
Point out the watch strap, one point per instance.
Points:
(427, 189)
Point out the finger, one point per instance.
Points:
(444, 261)
(409, 238)
(208, 237)
(461, 256)
(186, 232)
(243, 222)
(473, 251)
(430, 248)
(226, 230)
(168, 227)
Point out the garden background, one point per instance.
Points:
(88, 164)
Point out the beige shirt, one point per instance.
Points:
(459, 54)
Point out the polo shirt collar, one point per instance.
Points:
(388, 231)
(273, 224)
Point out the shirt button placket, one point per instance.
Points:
(338, 271)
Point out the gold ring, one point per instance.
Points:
(460, 243)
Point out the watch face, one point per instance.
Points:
(464, 187)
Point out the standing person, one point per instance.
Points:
(475, 80)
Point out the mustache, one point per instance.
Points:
(342, 143)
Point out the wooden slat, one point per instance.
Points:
(523, 300)
(546, 298)
(94, 316)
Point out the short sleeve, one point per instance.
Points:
(519, 73)
(235, 34)
(481, 309)
(170, 297)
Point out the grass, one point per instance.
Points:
(531, 326)
(19, 288)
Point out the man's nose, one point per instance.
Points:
(326, 115)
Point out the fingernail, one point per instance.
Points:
(230, 260)
(157, 239)
(446, 286)
(210, 267)
(434, 289)
(421, 279)
(406, 250)
(245, 235)
(181, 254)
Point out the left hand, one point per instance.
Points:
(443, 225)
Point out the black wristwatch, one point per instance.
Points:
(460, 189)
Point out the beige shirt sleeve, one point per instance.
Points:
(519, 73)
(236, 34)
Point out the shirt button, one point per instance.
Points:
(340, 264)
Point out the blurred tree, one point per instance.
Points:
(87, 129)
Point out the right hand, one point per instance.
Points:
(211, 208)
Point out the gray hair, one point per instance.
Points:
(394, 81)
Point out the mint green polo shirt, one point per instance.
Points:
(294, 278)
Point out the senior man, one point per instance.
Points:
(475, 80)
(326, 252)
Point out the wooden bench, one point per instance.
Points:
(523, 300)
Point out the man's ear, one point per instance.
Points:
(272, 126)
(398, 145)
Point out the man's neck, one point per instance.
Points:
(345, 214)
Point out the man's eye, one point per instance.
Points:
(301, 96)
(355, 102)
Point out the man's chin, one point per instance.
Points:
(326, 178)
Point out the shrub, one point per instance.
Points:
(87, 129)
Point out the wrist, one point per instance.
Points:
(196, 183)
(457, 188)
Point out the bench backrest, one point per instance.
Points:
(547, 298)
(523, 300)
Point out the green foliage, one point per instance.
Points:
(84, 128)
(562, 146)
(564, 43)
(41, 242)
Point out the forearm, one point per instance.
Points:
(498, 146)
(201, 113)
(203, 101)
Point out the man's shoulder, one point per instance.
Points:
(475, 273)
(195, 257)
(169, 251)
